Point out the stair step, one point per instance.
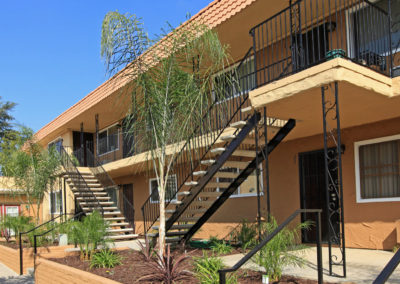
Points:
(122, 224)
(175, 202)
(229, 137)
(172, 240)
(246, 109)
(199, 173)
(109, 213)
(90, 194)
(207, 162)
(194, 211)
(97, 197)
(183, 193)
(239, 124)
(170, 211)
(210, 194)
(191, 183)
(95, 203)
(175, 233)
(114, 219)
(122, 237)
(95, 189)
(119, 230)
(218, 150)
(244, 153)
(104, 208)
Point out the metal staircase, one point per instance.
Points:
(90, 193)
(213, 181)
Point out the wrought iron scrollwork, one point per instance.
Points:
(333, 176)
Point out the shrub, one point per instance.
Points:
(206, 270)
(165, 269)
(276, 254)
(18, 224)
(221, 247)
(89, 233)
(245, 235)
(105, 259)
(146, 250)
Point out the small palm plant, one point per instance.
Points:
(281, 251)
(89, 234)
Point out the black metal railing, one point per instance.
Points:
(82, 190)
(388, 269)
(35, 236)
(258, 247)
(219, 116)
(107, 182)
(21, 254)
(309, 32)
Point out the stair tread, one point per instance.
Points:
(207, 162)
(119, 230)
(183, 193)
(121, 236)
(238, 124)
(246, 109)
(119, 224)
(228, 137)
(199, 173)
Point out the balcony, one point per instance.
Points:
(310, 32)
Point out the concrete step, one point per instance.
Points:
(228, 137)
(191, 183)
(183, 193)
(202, 203)
(188, 219)
(103, 203)
(195, 211)
(217, 151)
(236, 164)
(221, 174)
(199, 173)
(122, 224)
(175, 233)
(104, 208)
(238, 124)
(119, 230)
(97, 197)
(207, 162)
(114, 219)
(122, 237)
(217, 185)
(176, 227)
(210, 194)
(247, 110)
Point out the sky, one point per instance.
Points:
(50, 49)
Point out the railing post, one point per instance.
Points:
(390, 38)
(21, 265)
(222, 278)
(319, 250)
(34, 245)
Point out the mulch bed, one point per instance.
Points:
(134, 267)
(11, 244)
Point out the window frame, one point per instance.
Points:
(155, 179)
(357, 145)
(59, 191)
(97, 140)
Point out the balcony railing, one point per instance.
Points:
(309, 32)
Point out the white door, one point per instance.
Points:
(12, 211)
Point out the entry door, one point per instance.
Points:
(128, 205)
(313, 193)
(12, 211)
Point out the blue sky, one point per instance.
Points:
(50, 50)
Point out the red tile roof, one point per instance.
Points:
(213, 15)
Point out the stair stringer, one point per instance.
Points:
(272, 144)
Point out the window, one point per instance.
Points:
(377, 169)
(247, 188)
(171, 189)
(108, 140)
(56, 202)
(56, 143)
(224, 88)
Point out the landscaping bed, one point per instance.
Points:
(134, 266)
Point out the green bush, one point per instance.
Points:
(220, 247)
(105, 259)
(245, 235)
(278, 252)
(206, 270)
(17, 223)
(89, 233)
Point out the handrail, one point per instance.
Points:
(48, 231)
(21, 266)
(388, 269)
(70, 167)
(257, 248)
(212, 125)
(106, 180)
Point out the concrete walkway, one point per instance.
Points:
(363, 266)
(8, 276)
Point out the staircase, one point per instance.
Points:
(226, 165)
(91, 195)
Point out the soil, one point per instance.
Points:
(134, 266)
(11, 244)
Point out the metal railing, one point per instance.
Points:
(309, 32)
(21, 255)
(108, 183)
(388, 269)
(82, 189)
(257, 248)
(214, 122)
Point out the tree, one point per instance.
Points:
(32, 168)
(5, 117)
(170, 86)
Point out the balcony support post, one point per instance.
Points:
(333, 176)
